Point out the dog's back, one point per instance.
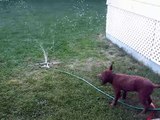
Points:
(132, 83)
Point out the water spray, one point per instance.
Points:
(46, 64)
(45, 54)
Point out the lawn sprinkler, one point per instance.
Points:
(46, 64)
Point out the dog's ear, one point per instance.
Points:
(111, 67)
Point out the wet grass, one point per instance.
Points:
(72, 33)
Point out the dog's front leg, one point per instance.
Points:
(124, 95)
(117, 96)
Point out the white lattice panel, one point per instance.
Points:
(133, 30)
(156, 44)
(136, 30)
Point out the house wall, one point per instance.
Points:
(134, 25)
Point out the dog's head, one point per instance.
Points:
(106, 76)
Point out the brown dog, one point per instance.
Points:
(125, 83)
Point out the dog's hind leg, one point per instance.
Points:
(145, 100)
(149, 100)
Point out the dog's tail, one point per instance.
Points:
(156, 85)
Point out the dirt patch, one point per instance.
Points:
(14, 82)
(101, 37)
(88, 64)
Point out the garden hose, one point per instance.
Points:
(106, 94)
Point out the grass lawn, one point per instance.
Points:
(72, 32)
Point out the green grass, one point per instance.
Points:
(72, 33)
